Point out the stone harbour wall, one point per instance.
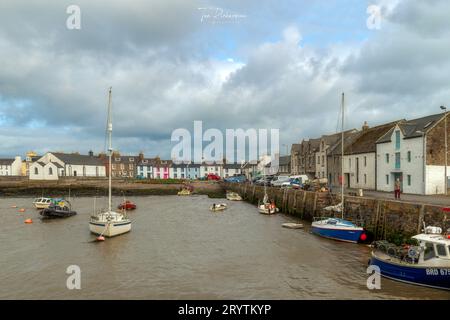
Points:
(394, 221)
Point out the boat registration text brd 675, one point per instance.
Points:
(437, 272)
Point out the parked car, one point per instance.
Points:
(212, 176)
(264, 180)
(279, 180)
(237, 179)
(294, 183)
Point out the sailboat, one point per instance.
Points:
(266, 207)
(339, 228)
(109, 223)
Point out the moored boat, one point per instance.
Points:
(109, 223)
(427, 264)
(42, 203)
(338, 229)
(184, 192)
(218, 207)
(62, 209)
(268, 208)
(335, 228)
(127, 205)
(233, 196)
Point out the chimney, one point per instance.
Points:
(91, 153)
(141, 156)
(365, 126)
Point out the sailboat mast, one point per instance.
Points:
(342, 157)
(109, 149)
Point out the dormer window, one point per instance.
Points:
(131, 159)
(117, 160)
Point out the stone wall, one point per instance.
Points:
(383, 219)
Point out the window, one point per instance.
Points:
(117, 159)
(131, 159)
(323, 160)
(387, 157)
(397, 160)
(113, 167)
(409, 179)
(318, 159)
(36, 171)
(365, 161)
(50, 171)
(409, 156)
(350, 163)
(365, 178)
(397, 139)
(429, 251)
(440, 249)
(387, 179)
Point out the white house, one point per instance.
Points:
(360, 157)
(145, 168)
(210, 168)
(11, 167)
(51, 166)
(232, 169)
(413, 152)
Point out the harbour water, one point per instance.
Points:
(178, 249)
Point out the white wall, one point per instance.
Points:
(44, 171)
(84, 170)
(415, 168)
(435, 182)
(366, 170)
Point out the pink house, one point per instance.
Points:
(161, 169)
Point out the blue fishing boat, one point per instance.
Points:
(338, 228)
(427, 264)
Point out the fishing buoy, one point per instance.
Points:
(100, 238)
(28, 221)
(22, 210)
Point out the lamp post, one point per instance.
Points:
(445, 156)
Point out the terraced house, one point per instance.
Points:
(122, 166)
(413, 152)
(360, 160)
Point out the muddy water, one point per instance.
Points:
(178, 249)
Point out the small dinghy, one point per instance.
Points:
(291, 225)
(127, 205)
(233, 196)
(61, 209)
(218, 207)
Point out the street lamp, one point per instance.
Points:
(445, 156)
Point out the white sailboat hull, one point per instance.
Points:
(110, 229)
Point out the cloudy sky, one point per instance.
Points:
(259, 64)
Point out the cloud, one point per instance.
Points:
(167, 69)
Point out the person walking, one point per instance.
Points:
(397, 189)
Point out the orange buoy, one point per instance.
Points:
(100, 238)
(28, 221)
(22, 210)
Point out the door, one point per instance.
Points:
(399, 176)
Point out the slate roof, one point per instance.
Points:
(232, 166)
(366, 141)
(349, 138)
(78, 159)
(413, 128)
(6, 161)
